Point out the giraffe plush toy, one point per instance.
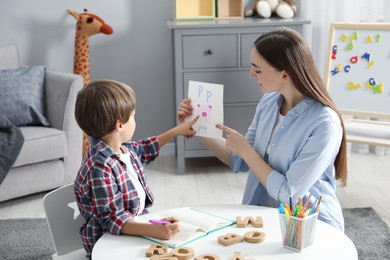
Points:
(87, 25)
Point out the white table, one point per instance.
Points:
(329, 243)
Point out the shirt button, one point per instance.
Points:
(273, 145)
(282, 127)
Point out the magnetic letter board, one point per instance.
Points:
(358, 69)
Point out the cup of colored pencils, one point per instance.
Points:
(298, 223)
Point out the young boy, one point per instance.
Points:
(111, 187)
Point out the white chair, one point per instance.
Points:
(64, 222)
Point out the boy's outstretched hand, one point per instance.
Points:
(185, 128)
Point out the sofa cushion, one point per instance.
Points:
(22, 99)
(9, 57)
(33, 178)
(41, 144)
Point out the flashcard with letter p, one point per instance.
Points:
(207, 102)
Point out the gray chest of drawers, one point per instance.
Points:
(219, 52)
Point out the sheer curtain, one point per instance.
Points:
(322, 13)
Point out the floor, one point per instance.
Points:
(208, 181)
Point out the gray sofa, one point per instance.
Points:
(50, 156)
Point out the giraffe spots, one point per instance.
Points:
(87, 25)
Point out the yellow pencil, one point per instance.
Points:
(300, 206)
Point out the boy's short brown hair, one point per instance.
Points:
(101, 103)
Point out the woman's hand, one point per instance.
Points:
(185, 109)
(235, 142)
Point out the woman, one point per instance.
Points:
(295, 145)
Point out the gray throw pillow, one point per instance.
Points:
(22, 96)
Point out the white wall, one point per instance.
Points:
(139, 52)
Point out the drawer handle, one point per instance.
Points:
(208, 52)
